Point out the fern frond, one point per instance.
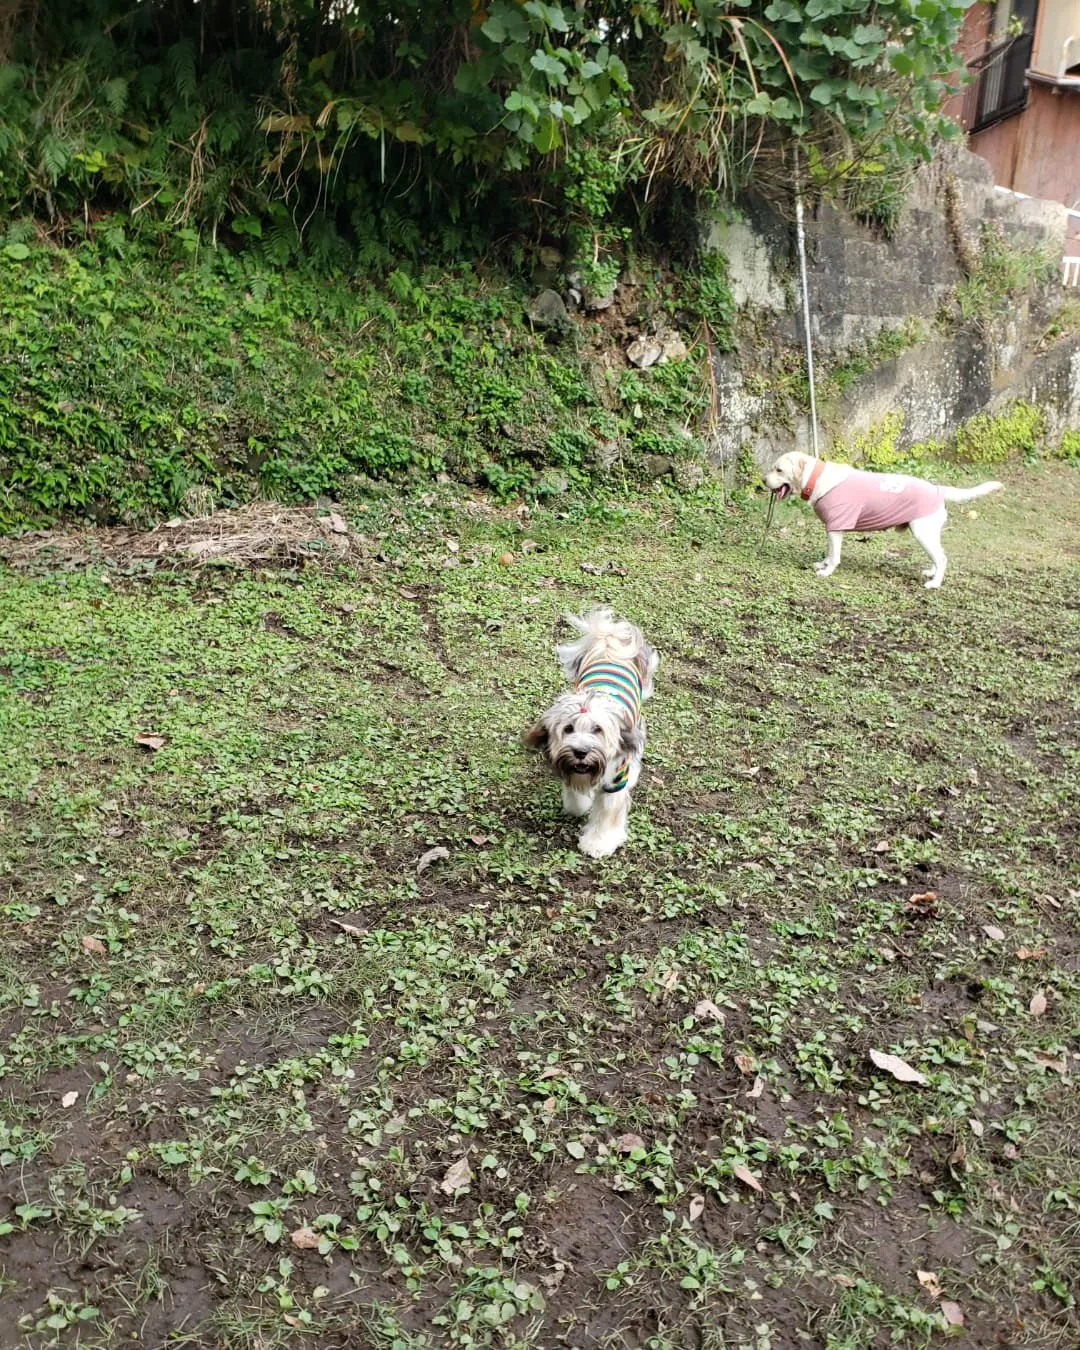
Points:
(180, 62)
(115, 92)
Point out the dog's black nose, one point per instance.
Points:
(579, 753)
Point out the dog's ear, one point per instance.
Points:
(646, 660)
(632, 740)
(536, 738)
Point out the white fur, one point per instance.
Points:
(584, 734)
(793, 471)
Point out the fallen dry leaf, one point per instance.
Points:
(958, 1155)
(747, 1177)
(882, 846)
(744, 1063)
(93, 945)
(458, 1174)
(900, 1069)
(697, 1205)
(1037, 1006)
(349, 928)
(626, 1143)
(952, 1313)
(757, 1089)
(552, 1071)
(669, 979)
(479, 839)
(1011, 1152)
(69, 1099)
(976, 1127)
(1030, 953)
(150, 740)
(431, 856)
(993, 932)
(304, 1238)
(707, 1008)
(1050, 1062)
(335, 522)
(922, 904)
(929, 1281)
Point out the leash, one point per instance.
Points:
(768, 521)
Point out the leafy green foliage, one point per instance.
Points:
(993, 438)
(283, 125)
(131, 391)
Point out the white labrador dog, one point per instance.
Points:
(848, 499)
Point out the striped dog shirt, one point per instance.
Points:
(621, 683)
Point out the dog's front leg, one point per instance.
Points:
(574, 801)
(606, 829)
(831, 562)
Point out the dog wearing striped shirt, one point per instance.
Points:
(593, 735)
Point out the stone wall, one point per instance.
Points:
(861, 284)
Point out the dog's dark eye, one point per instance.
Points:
(568, 730)
(596, 731)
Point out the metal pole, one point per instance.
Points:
(800, 235)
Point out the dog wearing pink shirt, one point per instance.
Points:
(849, 499)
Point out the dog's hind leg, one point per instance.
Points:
(606, 829)
(928, 532)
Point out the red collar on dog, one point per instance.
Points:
(811, 482)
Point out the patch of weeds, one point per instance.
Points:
(885, 345)
(1002, 271)
(994, 438)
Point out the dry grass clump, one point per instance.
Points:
(259, 534)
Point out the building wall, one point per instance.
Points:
(974, 35)
(1038, 151)
(1058, 20)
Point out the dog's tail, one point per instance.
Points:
(619, 640)
(955, 494)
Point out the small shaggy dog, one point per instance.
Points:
(848, 499)
(593, 735)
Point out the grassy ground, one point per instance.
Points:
(268, 1083)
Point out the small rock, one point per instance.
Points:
(690, 474)
(548, 311)
(553, 485)
(644, 352)
(673, 348)
(657, 466)
(593, 301)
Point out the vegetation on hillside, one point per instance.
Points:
(131, 391)
(377, 131)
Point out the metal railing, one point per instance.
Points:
(999, 88)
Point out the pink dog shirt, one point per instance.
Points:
(877, 501)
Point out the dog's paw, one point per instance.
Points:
(934, 583)
(597, 844)
(824, 568)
